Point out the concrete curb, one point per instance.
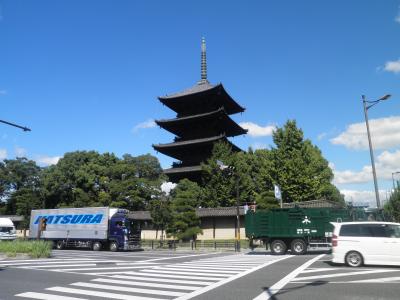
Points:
(18, 257)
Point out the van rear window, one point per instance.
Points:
(355, 230)
(371, 230)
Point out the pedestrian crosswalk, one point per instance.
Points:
(156, 281)
(75, 265)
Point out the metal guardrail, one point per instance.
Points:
(194, 245)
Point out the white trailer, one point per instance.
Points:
(94, 227)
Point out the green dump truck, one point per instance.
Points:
(297, 229)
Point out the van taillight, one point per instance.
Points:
(334, 240)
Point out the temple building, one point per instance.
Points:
(202, 119)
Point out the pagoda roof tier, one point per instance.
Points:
(201, 98)
(215, 122)
(192, 173)
(192, 150)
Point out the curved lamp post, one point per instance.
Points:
(15, 125)
(367, 105)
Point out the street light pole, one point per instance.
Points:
(371, 151)
(237, 214)
(15, 125)
(232, 172)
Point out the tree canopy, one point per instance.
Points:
(88, 178)
(293, 163)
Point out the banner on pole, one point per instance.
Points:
(277, 190)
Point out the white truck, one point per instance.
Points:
(7, 229)
(90, 227)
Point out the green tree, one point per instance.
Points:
(161, 214)
(299, 167)
(392, 207)
(87, 178)
(218, 186)
(18, 177)
(184, 222)
(267, 200)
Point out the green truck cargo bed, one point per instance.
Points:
(293, 222)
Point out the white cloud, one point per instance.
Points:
(3, 92)
(392, 66)
(144, 125)
(166, 187)
(20, 152)
(363, 197)
(386, 163)
(397, 19)
(47, 160)
(385, 134)
(3, 154)
(255, 130)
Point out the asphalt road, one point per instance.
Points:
(150, 275)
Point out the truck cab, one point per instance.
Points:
(124, 233)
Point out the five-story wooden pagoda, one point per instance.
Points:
(202, 119)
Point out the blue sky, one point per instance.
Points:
(85, 75)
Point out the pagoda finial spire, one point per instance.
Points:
(203, 62)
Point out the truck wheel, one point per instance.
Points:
(278, 247)
(113, 246)
(59, 245)
(97, 246)
(354, 259)
(298, 247)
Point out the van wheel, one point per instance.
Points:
(354, 259)
(59, 245)
(278, 247)
(113, 246)
(298, 247)
(97, 246)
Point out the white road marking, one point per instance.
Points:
(127, 289)
(147, 284)
(196, 270)
(57, 266)
(222, 282)
(40, 261)
(42, 296)
(285, 280)
(375, 280)
(183, 256)
(233, 265)
(167, 275)
(316, 270)
(162, 280)
(102, 268)
(200, 266)
(136, 263)
(98, 294)
(185, 273)
(343, 274)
